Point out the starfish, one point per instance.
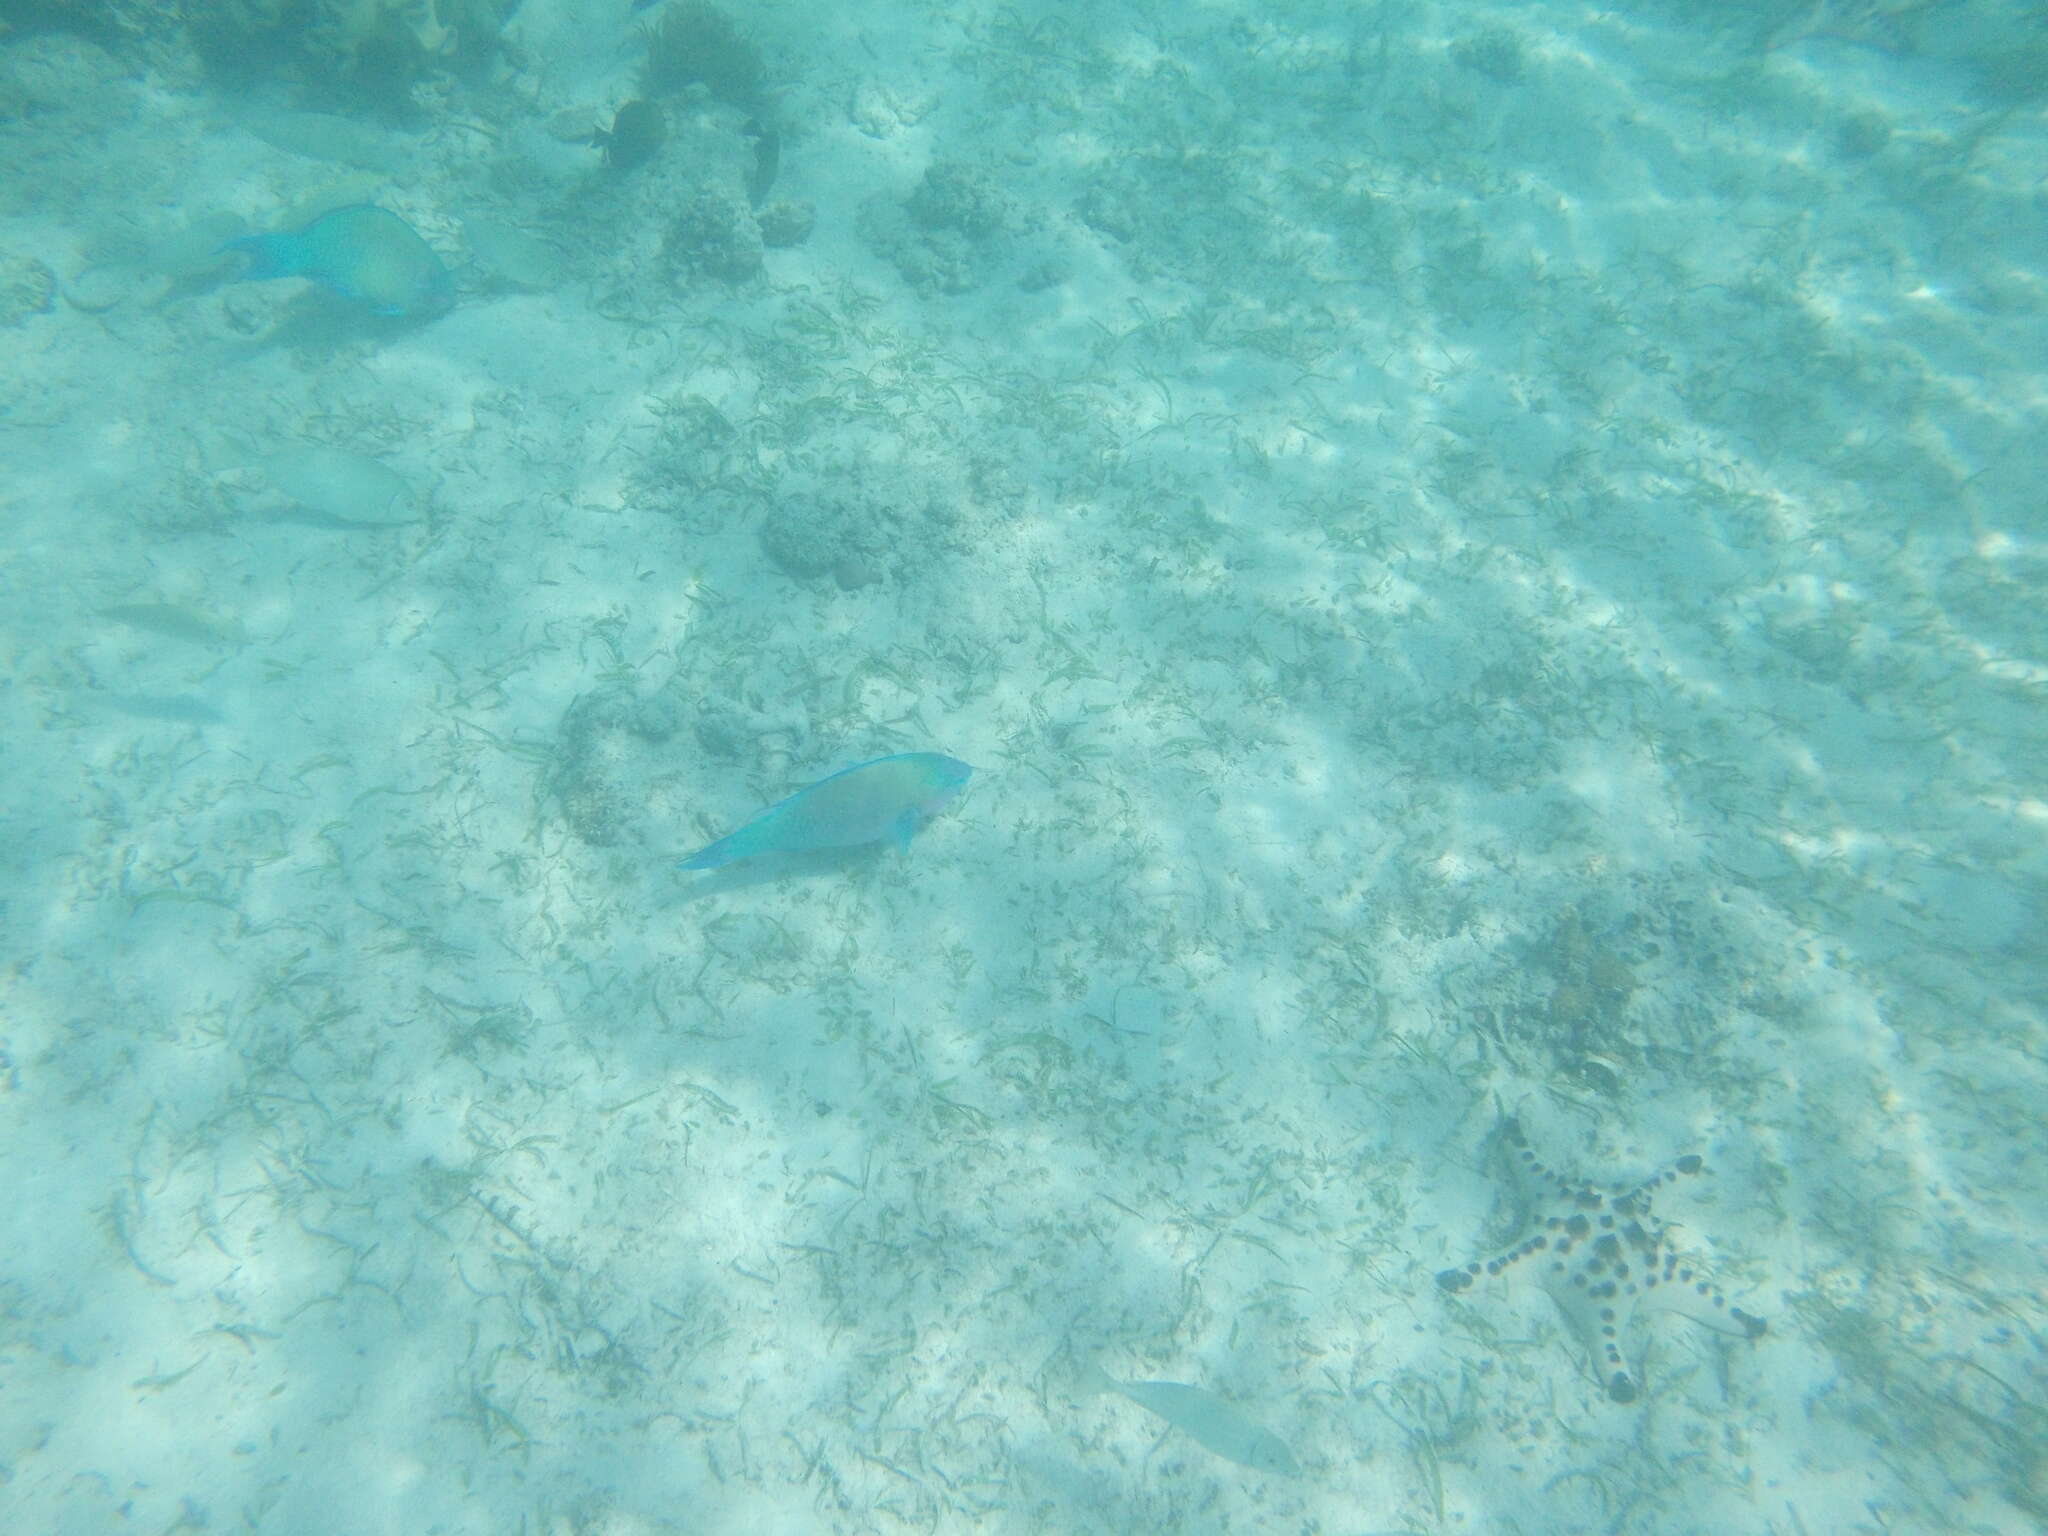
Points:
(1605, 1257)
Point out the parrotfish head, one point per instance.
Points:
(948, 775)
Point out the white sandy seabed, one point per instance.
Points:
(1489, 564)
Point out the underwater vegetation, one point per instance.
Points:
(27, 287)
(949, 233)
(596, 774)
(716, 235)
(1495, 53)
(786, 222)
(856, 537)
(363, 53)
(697, 43)
(107, 22)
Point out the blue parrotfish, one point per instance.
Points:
(888, 798)
(366, 254)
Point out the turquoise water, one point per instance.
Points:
(1487, 563)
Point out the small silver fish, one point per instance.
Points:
(178, 708)
(1208, 1420)
(175, 622)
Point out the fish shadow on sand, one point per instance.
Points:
(309, 517)
(323, 324)
(775, 867)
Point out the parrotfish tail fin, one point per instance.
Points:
(757, 836)
(269, 255)
(713, 856)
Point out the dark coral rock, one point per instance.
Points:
(786, 223)
(958, 199)
(716, 234)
